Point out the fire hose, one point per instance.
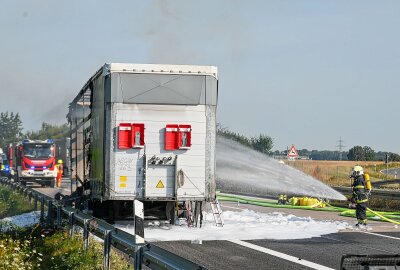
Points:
(385, 216)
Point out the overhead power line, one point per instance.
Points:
(341, 147)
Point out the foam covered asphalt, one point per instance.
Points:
(326, 250)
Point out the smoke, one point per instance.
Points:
(48, 56)
(37, 96)
(185, 32)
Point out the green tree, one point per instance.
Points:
(369, 154)
(356, 153)
(393, 157)
(262, 143)
(49, 131)
(359, 153)
(225, 132)
(10, 128)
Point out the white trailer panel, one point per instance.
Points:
(120, 96)
(160, 181)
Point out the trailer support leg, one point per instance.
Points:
(201, 214)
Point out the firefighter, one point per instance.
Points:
(2, 169)
(360, 195)
(60, 169)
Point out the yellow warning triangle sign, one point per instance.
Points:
(160, 184)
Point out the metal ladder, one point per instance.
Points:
(217, 213)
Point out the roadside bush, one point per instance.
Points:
(40, 248)
(12, 204)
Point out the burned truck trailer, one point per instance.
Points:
(146, 132)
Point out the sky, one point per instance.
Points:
(303, 72)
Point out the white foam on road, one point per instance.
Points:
(23, 220)
(244, 225)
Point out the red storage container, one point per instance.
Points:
(184, 136)
(171, 137)
(124, 136)
(137, 138)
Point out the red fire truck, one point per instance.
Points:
(33, 161)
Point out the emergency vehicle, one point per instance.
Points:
(33, 161)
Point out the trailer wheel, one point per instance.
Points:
(53, 183)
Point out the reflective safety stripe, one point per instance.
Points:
(359, 186)
(171, 129)
(361, 201)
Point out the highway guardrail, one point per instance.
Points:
(375, 193)
(147, 254)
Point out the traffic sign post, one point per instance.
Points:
(387, 165)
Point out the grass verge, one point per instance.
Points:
(11, 203)
(336, 173)
(41, 248)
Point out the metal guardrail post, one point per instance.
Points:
(41, 209)
(59, 221)
(35, 199)
(138, 257)
(107, 249)
(50, 213)
(71, 224)
(85, 234)
(148, 254)
(30, 196)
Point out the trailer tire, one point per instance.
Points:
(52, 183)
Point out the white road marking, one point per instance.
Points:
(282, 255)
(382, 235)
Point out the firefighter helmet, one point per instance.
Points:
(59, 161)
(357, 170)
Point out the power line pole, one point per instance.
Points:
(340, 146)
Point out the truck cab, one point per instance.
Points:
(35, 162)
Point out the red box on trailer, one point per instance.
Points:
(171, 137)
(124, 136)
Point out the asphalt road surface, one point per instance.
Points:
(393, 172)
(323, 252)
(64, 189)
(312, 253)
